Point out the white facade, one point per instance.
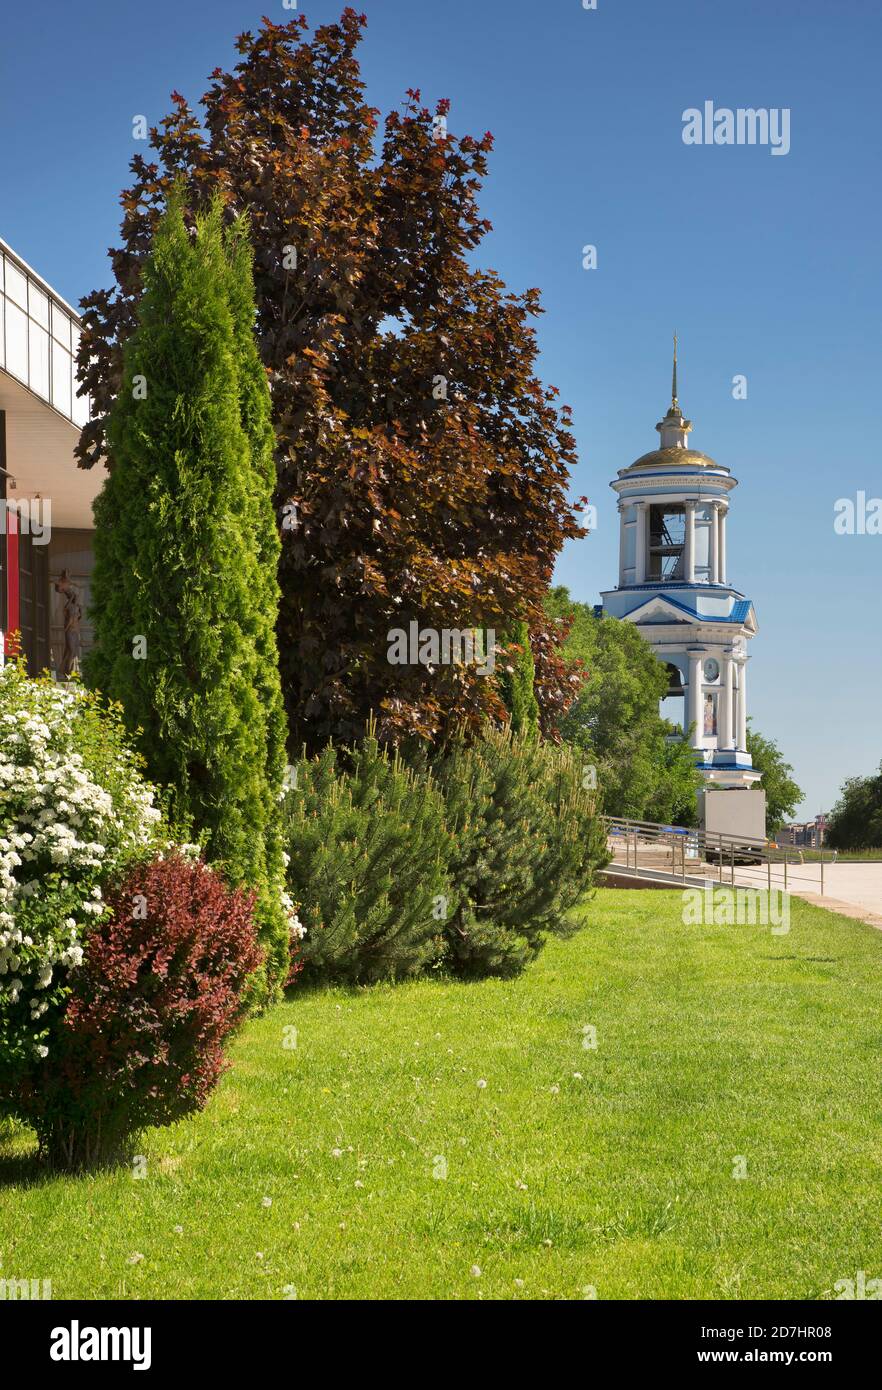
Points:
(673, 584)
(40, 420)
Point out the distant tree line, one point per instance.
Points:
(856, 820)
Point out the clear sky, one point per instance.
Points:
(768, 266)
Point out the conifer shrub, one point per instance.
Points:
(185, 590)
(466, 866)
(526, 839)
(158, 990)
(517, 681)
(368, 851)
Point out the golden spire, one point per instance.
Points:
(675, 404)
(674, 427)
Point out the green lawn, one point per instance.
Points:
(573, 1168)
(842, 856)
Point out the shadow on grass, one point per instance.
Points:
(23, 1167)
(301, 988)
(22, 1164)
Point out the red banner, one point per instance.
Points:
(13, 613)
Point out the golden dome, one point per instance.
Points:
(673, 458)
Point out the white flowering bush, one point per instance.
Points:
(74, 810)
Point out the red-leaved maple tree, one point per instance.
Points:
(422, 466)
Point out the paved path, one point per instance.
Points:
(855, 886)
(855, 890)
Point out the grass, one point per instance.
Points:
(842, 856)
(315, 1170)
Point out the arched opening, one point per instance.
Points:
(672, 706)
(667, 540)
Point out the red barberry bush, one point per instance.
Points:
(159, 989)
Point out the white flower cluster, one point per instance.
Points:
(296, 928)
(60, 833)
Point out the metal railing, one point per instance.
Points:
(677, 853)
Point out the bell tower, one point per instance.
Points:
(673, 585)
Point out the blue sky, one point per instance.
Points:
(767, 266)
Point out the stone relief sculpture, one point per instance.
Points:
(73, 614)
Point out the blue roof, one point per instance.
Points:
(740, 610)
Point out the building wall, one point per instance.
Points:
(40, 416)
(39, 337)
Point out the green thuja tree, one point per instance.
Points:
(518, 684)
(256, 414)
(184, 593)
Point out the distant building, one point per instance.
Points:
(810, 834)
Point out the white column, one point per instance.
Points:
(642, 543)
(622, 535)
(693, 698)
(689, 549)
(727, 721)
(721, 548)
(742, 706)
(714, 551)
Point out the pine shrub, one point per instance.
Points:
(526, 839)
(367, 850)
(467, 868)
